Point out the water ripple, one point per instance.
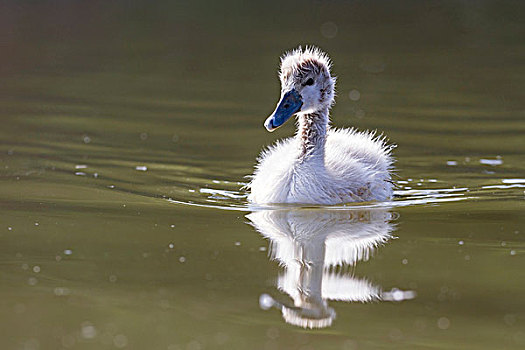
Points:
(405, 195)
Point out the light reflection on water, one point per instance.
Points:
(317, 249)
(228, 199)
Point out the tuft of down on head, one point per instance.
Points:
(310, 57)
(308, 72)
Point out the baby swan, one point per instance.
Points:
(320, 165)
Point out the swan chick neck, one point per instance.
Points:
(311, 134)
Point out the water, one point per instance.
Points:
(128, 130)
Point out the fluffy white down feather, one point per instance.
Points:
(356, 167)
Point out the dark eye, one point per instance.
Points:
(309, 82)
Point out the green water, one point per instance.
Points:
(127, 129)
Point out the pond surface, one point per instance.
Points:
(127, 130)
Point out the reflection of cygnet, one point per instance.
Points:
(307, 243)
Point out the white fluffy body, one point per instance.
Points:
(355, 168)
(320, 165)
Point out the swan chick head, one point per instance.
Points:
(307, 85)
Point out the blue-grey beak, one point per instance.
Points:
(290, 104)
